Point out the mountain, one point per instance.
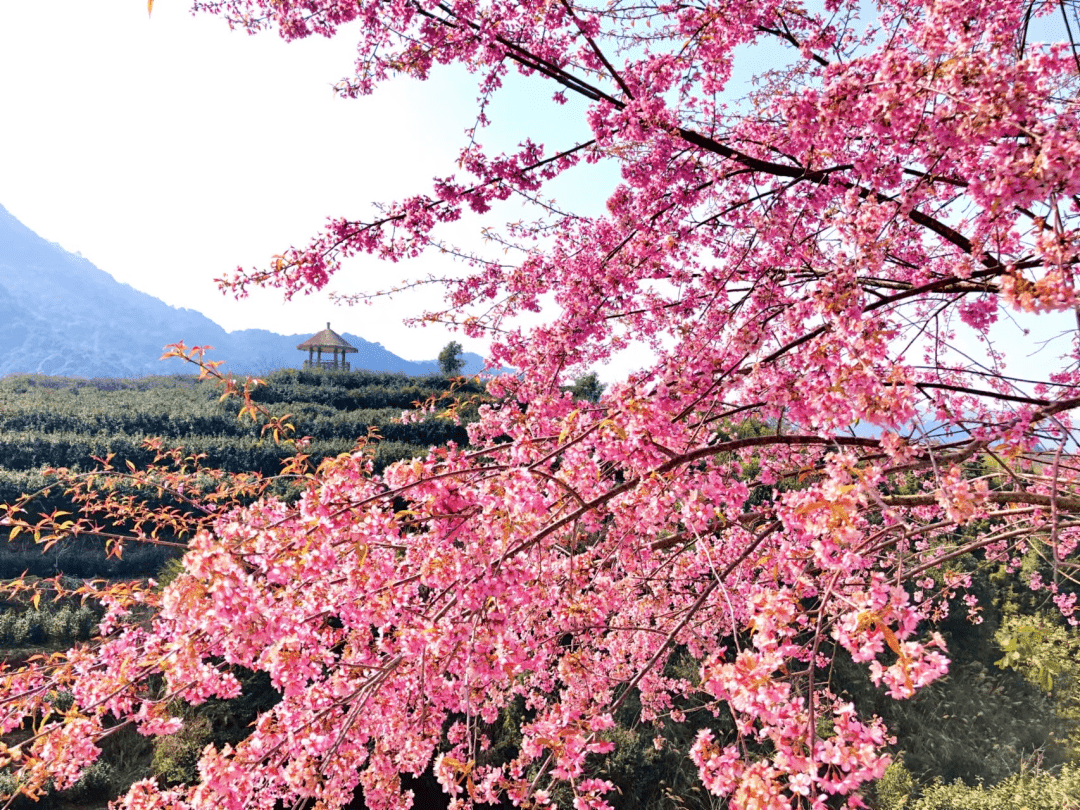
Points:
(61, 315)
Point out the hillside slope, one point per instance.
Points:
(61, 315)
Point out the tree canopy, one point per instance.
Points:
(450, 360)
(829, 420)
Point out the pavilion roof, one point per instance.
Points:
(327, 339)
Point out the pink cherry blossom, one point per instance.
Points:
(789, 478)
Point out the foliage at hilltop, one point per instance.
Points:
(820, 258)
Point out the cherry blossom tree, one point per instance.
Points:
(828, 421)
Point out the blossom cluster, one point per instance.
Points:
(785, 482)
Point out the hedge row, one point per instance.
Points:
(310, 419)
(357, 380)
(21, 383)
(59, 627)
(26, 450)
(318, 425)
(83, 558)
(377, 396)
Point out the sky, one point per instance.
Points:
(168, 150)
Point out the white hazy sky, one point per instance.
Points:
(169, 150)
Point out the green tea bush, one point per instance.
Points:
(61, 701)
(355, 390)
(221, 722)
(7, 628)
(9, 784)
(56, 625)
(23, 625)
(60, 422)
(28, 629)
(84, 622)
(177, 755)
(95, 785)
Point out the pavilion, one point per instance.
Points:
(327, 340)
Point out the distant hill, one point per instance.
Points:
(61, 315)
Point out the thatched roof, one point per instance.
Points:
(327, 339)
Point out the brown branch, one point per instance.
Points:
(599, 54)
(693, 609)
(1069, 504)
(528, 59)
(979, 393)
(687, 458)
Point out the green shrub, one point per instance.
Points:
(893, 790)
(177, 755)
(170, 571)
(1040, 790)
(58, 625)
(8, 783)
(27, 629)
(7, 627)
(95, 784)
(22, 624)
(1047, 653)
(84, 622)
(976, 724)
(217, 721)
(61, 701)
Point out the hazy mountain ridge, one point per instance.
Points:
(61, 315)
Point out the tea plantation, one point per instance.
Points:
(50, 422)
(1001, 731)
(64, 422)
